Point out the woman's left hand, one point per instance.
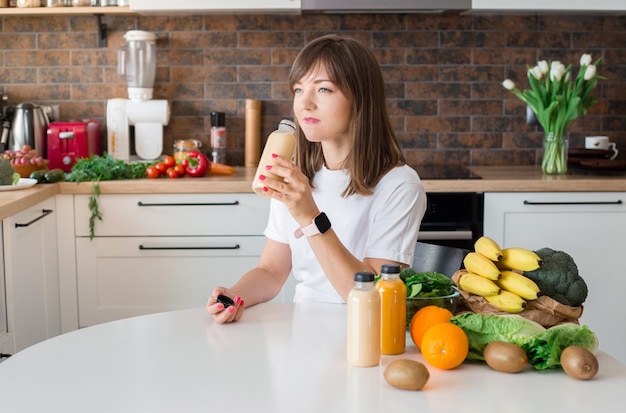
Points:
(294, 192)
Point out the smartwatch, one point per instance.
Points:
(320, 225)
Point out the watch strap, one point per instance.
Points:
(320, 225)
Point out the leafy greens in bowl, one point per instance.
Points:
(428, 288)
(426, 284)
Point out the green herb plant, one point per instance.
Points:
(103, 168)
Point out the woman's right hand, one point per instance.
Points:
(221, 313)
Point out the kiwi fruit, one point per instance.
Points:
(406, 374)
(505, 357)
(579, 363)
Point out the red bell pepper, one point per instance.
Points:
(196, 163)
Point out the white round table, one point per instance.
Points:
(278, 358)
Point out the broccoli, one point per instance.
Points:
(558, 278)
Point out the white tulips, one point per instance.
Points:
(508, 84)
(557, 100)
(557, 70)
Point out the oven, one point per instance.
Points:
(451, 219)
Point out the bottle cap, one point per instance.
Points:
(390, 269)
(218, 119)
(364, 276)
(287, 124)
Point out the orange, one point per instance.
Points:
(445, 346)
(425, 318)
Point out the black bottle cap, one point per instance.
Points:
(218, 119)
(364, 276)
(390, 269)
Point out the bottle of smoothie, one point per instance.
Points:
(363, 322)
(281, 142)
(393, 310)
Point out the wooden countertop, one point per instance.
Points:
(494, 179)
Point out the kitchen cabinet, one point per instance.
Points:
(160, 252)
(32, 277)
(589, 226)
(554, 5)
(6, 340)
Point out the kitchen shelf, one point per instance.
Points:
(41, 11)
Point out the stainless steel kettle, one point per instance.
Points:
(30, 127)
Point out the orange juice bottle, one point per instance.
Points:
(393, 310)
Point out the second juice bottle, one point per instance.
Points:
(393, 310)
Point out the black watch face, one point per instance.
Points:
(322, 223)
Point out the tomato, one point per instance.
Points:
(162, 168)
(169, 161)
(171, 172)
(152, 172)
(180, 169)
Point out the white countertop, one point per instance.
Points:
(278, 358)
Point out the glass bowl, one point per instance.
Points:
(413, 305)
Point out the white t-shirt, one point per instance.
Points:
(383, 225)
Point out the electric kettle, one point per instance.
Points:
(30, 127)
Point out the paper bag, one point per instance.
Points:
(544, 310)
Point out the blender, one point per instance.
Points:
(137, 61)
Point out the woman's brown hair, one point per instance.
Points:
(354, 69)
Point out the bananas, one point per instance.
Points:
(488, 248)
(494, 273)
(481, 265)
(507, 301)
(518, 284)
(475, 284)
(521, 259)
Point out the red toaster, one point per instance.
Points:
(71, 140)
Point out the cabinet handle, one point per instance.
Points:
(145, 204)
(227, 247)
(618, 202)
(44, 212)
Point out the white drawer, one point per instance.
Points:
(176, 215)
(130, 276)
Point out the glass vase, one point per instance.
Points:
(554, 160)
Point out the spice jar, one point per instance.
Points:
(55, 3)
(182, 146)
(81, 3)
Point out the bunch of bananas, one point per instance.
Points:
(492, 273)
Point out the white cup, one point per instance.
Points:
(602, 143)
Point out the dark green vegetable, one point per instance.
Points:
(542, 346)
(54, 175)
(426, 284)
(558, 278)
(6, 172)
(106, 168)
(103, 168)
(39, 175)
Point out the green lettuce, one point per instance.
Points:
(544, 350)
(543, 346)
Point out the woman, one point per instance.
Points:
(349, 191)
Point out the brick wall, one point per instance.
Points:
(443, 73)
